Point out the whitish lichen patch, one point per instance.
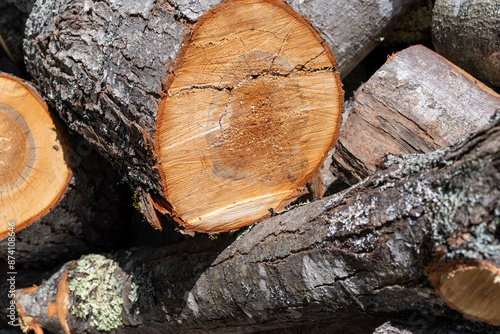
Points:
(355, 215)
(97, 292)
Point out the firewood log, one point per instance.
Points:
(468, 34)
(34, 172)
(264, 109)
(416, 102)
(361, 254)
(53, 205)
(127, 77)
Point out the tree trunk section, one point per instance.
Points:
(104, 66)
(416, 102)
(359, 254)
(468, 34)
(56, 202)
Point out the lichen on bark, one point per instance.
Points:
(97, 291)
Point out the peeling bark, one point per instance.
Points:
(359, 254)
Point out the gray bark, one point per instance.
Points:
(416, 102)
(102, 65)
(360, 254)
(468, 33)
(352, 29)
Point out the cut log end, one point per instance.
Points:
(252, 108)
(34, 172)
(473, 289)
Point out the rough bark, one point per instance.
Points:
(416, 102)
(360, 254)
(468, 33)
(103, 64)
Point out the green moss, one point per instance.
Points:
(244, 231)
(97, 292)
(135, 200)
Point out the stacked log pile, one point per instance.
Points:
(218, 114)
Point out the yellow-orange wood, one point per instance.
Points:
(33, 169)
(252, 107)
(472, 289)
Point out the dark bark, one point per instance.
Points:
(416, 323)
(103, 65)
(360, 254)
(89, 218)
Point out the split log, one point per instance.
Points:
(360, 254)
(98, 65)
(468, 34)
(53, 205)
(416, 102)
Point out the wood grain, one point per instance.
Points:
(251, 109)
(34, 170)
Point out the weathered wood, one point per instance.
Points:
(468, 34)
(360, 253)
(55, 201)
(416, 103)
(103, 65)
